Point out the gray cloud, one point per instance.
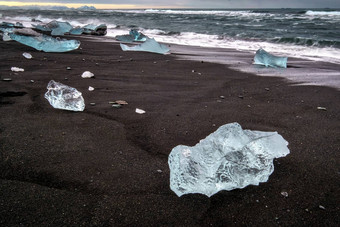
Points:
(213, 3)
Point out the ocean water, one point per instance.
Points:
(305, 33)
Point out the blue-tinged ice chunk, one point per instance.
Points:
(150, 45)
(133, 35)
(138, 36)
(46, 43)
(76, 31)
(61, 96)
(227, 159)
(55, 27)
(92, 29)
(262, 57)
(62, 28)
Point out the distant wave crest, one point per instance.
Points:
(323, 13)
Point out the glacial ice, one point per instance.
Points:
(61, 96)
(17, 69)
(227, 159)
(27, 55)
(77, 31)
(87, 74)
(55, 27)
(61, 28)
(92, 29)
(150, 45)
(46, 43)
(133, 35)
(262, 57)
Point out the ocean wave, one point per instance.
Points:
(307, 42)
(243, 13)
(323, 13)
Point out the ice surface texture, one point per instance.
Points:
(262, 57)
(150, 45)
(64, 97)
(46, 43)
(227, 159)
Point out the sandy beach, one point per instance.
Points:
(108, 166)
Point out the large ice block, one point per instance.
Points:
(262, 57)
(227, 159)
(46, 43)
(133, 35)
(61, 96)
(150, 45)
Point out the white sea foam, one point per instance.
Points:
(327, 54)
(323, 13)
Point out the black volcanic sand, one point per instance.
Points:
(108, 166)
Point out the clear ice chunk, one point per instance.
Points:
(262, 57)
(150, 45)
(133, 35)
(46, 43)
(61, 96)
(227, 159)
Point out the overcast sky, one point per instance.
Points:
(208, 3)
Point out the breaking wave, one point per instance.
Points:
(323, 13)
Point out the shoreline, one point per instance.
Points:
(101, 166)
(298, 72)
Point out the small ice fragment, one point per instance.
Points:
(322, 207)
(116, 105)
(228, 158)
(140, 111)
(61, 96)
(6, 37)
(285, 194)
(321, 108)
(87, 74)
(121, 102)
(262, 57)
(27, 55)
(16, 69)
(160, 171)
(150, 45)
(91, 88)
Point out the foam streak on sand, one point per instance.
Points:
(299, 71)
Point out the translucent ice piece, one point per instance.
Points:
(27, 55)
(61, 96)
(227, 159)
(150, 45)
(87, 74)
(137, 36)
(133, 35)
(16, 69)
(55, 27)
(76, 31)
(262, 57)
(46, 43)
